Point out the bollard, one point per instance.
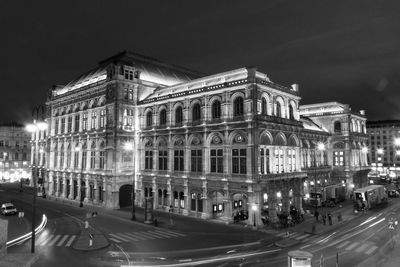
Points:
(90, 240)
(86, 224)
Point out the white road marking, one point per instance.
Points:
(172, 233)
(161, 234)
(302, 237)
(127, 235)
(343, 244)
(46, 240)
(71, 239)
(369, 251)
(136, 236)
(54, 240)
(355, 244)
(361, 248)
(62, 241)
(119, 237)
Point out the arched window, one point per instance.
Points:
(216, 109)
(163, 117)
(278, 109)
(238, 107)
(291, 114)
(196, 112)
(337, 127)
(178, 115)
(149, 118)
(263, 106)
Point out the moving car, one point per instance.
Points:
(8, 209)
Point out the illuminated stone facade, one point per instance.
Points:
(15, 153)
(203, 146)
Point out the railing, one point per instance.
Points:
(284, 175)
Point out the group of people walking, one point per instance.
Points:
(326, 216)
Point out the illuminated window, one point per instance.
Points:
(77, 118)
(338, 158)
(102, 159)
(62, 125)
(84, 122)
(92, 159)
(69, 125)
(93, 121)
(103, 118)
(263, 106)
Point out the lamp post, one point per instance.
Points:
(130, 148)
(39, 124)
(320, 148)
(254, 208)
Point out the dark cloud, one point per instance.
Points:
(343, 51)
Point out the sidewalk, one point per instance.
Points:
(311, 226)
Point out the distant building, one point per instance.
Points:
(384, 140)
(14, 152)
(202, 146)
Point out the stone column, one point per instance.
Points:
(272, 201)
(186, 194)
(71, 187)
(58, 184)
(104, 190)
(96, 192)
(87, 194)
(64, 193)
(51, 184)
(78, 193)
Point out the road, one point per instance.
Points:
(189, 241)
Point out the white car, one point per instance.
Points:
(8, 209)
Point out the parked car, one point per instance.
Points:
(8, 209)
(393, 193)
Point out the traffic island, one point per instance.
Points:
(90, 239)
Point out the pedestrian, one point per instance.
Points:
(155, 223)
(339, 217)
(316, 214)
(330, 218)
(324, 219)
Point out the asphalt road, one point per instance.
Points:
(189, 241)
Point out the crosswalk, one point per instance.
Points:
(366, 247)
(56, 240)
(143, 235)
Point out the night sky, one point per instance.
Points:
(345, 51)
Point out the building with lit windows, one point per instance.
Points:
(384, 140)
(205, 146)
(348, 141)
(14, 152)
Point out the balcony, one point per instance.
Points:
(278, 120)
(283, 176)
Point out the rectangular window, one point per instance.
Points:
(162, 160)
(55, 158)
(102, 118)
(338, 158)
(92, 159)
(56, 126)
(84, 122)
(69, 125)
(61, 160)
(77, 118)
(93, 121)
(62, 125)
(76, 159)
(217, 159)
(239, 161)
(68, 159)
(196, 160)
(178, 160)
(102, 159)
(148, 160)
(84, 159)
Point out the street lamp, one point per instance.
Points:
(254, 208)
(320, 148)
(130, 148)
(39, 124)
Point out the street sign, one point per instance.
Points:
(392, 224)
